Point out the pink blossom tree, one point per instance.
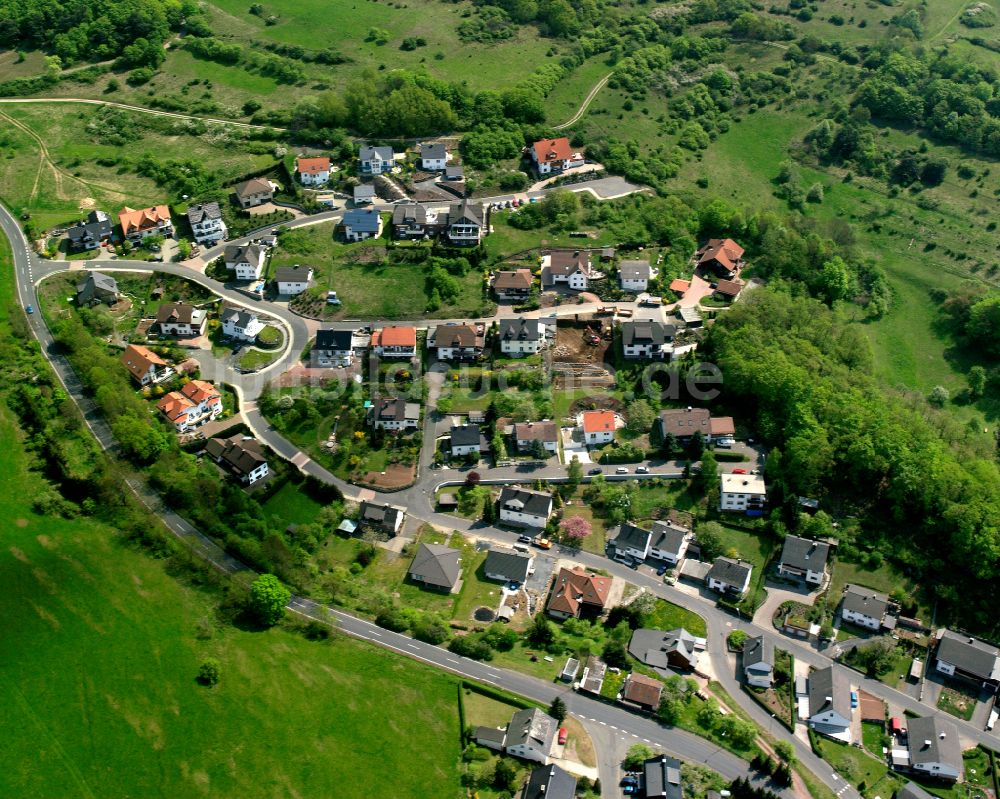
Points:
(575, 527)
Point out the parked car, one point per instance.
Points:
(661, 570)
(642, 470)
(669, 579)
(29, 308)
(562, 736)
(543, 543)
(629, 780)
(854, 699)
(725, 443)
(524, 539)
(630, 789)
(596, 470)
(739, 471)
(621, 470)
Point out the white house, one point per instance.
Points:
(634, 275)
(552, 156)
(361, 224)
(743, 492)
(181, 319)
(598, 427)
(240, 324)
(333, 348)
(633, 541)
(864, 607)
(195, 404)
(570, 268)
(729, 576)
(530, 735)
(145, 366)
(433, 157)
(804, 559)
(934, 748)
(830, 703)
(376, 160)
(245, 260)
(206, 223)
(647, 340)
(526, 434)
(313, 171)
(241, 456)
(254, 192)
(966, 657)
(758, 662)
(293, 280)
(466, 225)
(395, 341)
(394, 414)
(385, 518)
(669, 542)
(522, 507)
(152, 221)
(463, 342)
(521, 336)
(466, 439)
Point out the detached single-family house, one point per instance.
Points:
(549, 782)
(90, 234)
(181, 319)
(195, 404)
(723, 257)
(633, 541)
(578, 594)
(383, 518)
(758, 662)
(253, 192)
(661, 778)
(97, 288)
(934, 748)
(376, 160)
(508, 566)
(729, 576)
(437, 567)
(206, 223)
(313, 171)
(634, 275)
(683, 423)
(411, 221)
(395, 341)
(364, 194)
(457, 342)
(523, 507)
(961, 655)
(530, 735)
(394, 414)
(729, 289)
(521, 336)
(333, 348)
(804, 559)
(466, 225)
(647, 340)
(864, 607)
(830, 703)
(674, 649)
(513, 285)
(552, 156)
(669, 542)
(138, 224)
(526, 434)
(293, 280)
(466, 439)
(145, 366)
(570, 268)
(642, 691)
(241, 455)
(598, 427)
(245, 260)
(433, 157)
(362, 223)
(743, 493)
(240, 324)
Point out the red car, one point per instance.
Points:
(739, 471)
(562, 735)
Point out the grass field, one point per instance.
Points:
(669, 616)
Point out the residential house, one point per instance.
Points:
(145, 366)
(195, 404)
(293, 280)
(960, 655)
(669, 542)
(364, 194)
(520, 506)
(549, 782)
(313, 171)
(333, 348)
(530, 735)
(804, 559)
(241, 324)
(632, 541)
(241, 455)
(206, 223)
(934, 748)
(508, 566)
(521, 336)
(674, 649)
(97, 288)
(491, 737)
(723, 257)
(723, 430)
(570, 268)
(433, 157)
(376, 160)
(394, 414)
(413, 221)
(830, 703)
(683, 423)
(361, 224)
(90, 234)
(138, 224)
(598, 427)
(642, 691)
(245, 260)
(592, 679)
(181, 319)
(729, 289)
(438, 567)
(661, 777)
(864, 607)
(457, 342)
(552, 156)
(729, 576)
(513, 285)
(647, 340)
(745, 493)
(253, 192)
(758, 661)
(466, 224)
(466, 439)
(527, 436)
(578, 594)
(381, 517)
(395, 341)
(634, 275)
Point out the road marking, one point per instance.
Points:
(452, 660)
(412, 646)
(645, 740)
(612, 726)
(603, 723)
(378, 634)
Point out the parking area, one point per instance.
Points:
(572, 445)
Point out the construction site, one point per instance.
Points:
(582, 354)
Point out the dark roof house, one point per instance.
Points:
(97, 287)
(674, 649)
(437, 567)
(549, 782)
(507, 565)
(661, 777)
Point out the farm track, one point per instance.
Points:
(586, 102)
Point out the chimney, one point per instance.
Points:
(927, 743)
(942, 736)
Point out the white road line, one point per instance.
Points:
(452, 660)
(613, 726)
(603, 723)
(375, 633)
(645, 740)
(413, 647)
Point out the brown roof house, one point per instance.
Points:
(570, 268)
(723, 257)
(642, 691)
(463, 342)
(255, 191)
(181, 319)
(145, 366)
(437, 567)
(240, 455)
(578, 593)
(513, 285)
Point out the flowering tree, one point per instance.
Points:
(575, 527)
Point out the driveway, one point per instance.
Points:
(572, 445)
(697, 291)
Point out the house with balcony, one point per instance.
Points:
(521, 336)
(578, 594)
(458, 342)
(723, 258)
(394, 414)
(145, 366)
(804, 559)
(864, 607)
(412, 220)
(669, 541)
(245, 261)
(376, 160)
(241, 456)
(525, 508)
(253, 192)
(960, 655)
(395, 341)
(240, 324)
(313, 171)
(569, 268)
(181, 319)
(514, 285)
(529, 435)
(90, 233)
(139, 224)
(552, 156)
(743, 493)
(466, 224)
(333, 348)
(206, 223)
(647, 340)
(197, 403)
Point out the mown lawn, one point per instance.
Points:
(292, 505)
(669, 616)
